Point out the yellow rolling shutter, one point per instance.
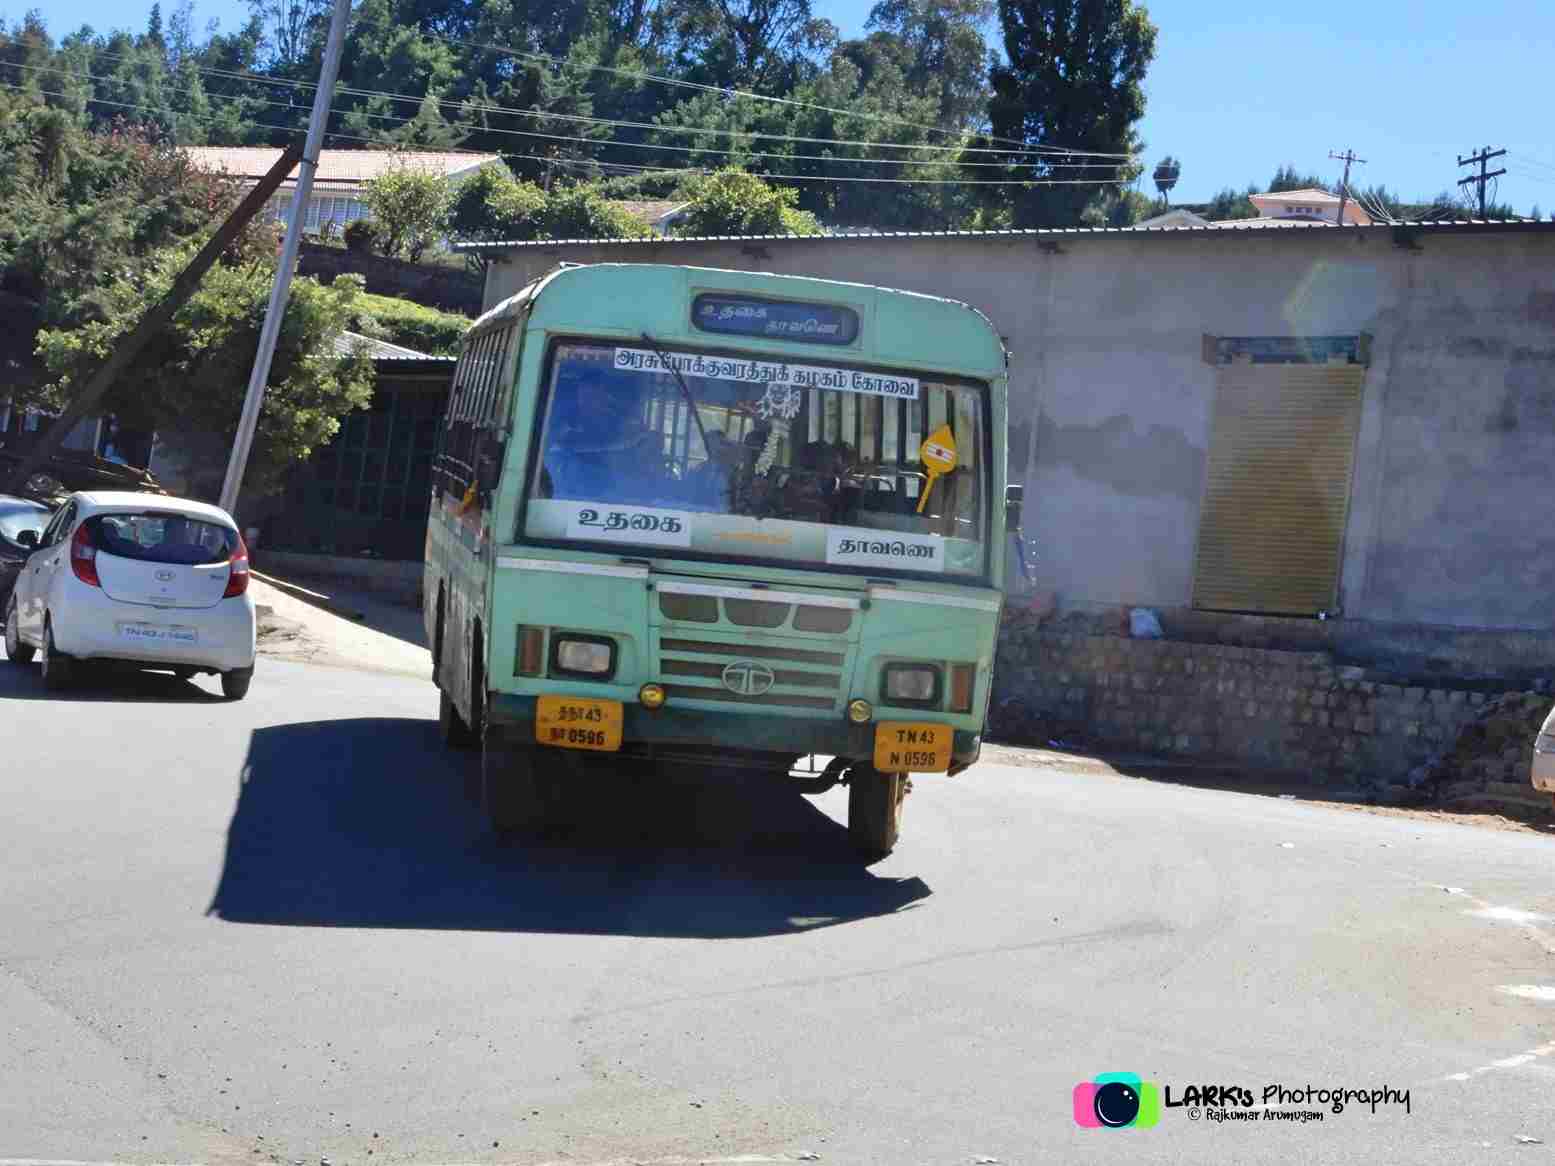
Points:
(1278, 487)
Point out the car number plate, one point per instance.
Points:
(912, 747)
(577, 722)
(158, 633)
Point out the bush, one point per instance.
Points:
(493, 206)
(410, 207)
(410, 325)
(583, 212)
(732, 202)
(363, 237)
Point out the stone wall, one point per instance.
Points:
(1292, 711)
(435, 286)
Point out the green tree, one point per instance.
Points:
(581, 211)
(1229, 204)
(492, 206)
(944, 53)
(191, 381)
(732, 202)
(1287, 178)
(1074, 79)
(410, 205)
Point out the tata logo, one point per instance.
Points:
(164, 576)
(747, 678)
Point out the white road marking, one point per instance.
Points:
(1531, 1055)
(1530, 991)
(1507, 914)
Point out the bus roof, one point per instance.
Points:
(626, 299)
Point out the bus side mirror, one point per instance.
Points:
(1014, 496)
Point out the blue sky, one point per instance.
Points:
(1238, 90)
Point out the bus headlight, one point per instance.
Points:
(859, 712)
(911, 684)
(583, 657)
(651, 696)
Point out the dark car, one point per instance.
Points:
(17, 515)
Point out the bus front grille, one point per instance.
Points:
(802, 678)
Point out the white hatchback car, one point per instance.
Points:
(1544, 756)
(137, 578)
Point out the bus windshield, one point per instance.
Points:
(813, 464)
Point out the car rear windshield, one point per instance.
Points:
(163, 538)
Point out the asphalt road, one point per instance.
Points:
(276, 930)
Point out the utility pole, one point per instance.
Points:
(243, 442)
(1344, 183)
(154, 321)
(1480, 179)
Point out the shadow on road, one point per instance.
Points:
(102, 682)
(370, 823)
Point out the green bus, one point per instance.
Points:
(691, 517)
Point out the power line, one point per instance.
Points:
(1042, 154)
(1344, 183)
(748, 95)
(537, 134)
(768, 175)
(1480, 179)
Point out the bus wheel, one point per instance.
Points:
(512, 793)
(875, 809)
(450, 725)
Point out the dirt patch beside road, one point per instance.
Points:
(1268, 785)
(291, 629)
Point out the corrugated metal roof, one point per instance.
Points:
(1233, 227)
(349, 342)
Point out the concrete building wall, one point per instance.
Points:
(1111, 398)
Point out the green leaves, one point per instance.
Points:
(1074, 79)
(410, 206)
(732, 202)
(492, 206)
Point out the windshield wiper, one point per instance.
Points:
(685, 390)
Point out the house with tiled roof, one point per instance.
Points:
(659, 214)
(341, 178)
(1310, 205)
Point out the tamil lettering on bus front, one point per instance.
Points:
(769, 372)
(600, 522)
(873, 548)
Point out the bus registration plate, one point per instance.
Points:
(912, 747)
(578, 722)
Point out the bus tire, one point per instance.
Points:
(450, 725)
(875, 810)
(512, 794)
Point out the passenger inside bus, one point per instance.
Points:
(599, 448)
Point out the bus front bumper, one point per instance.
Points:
(646, 730)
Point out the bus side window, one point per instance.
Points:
(452, 468)
(490, 444)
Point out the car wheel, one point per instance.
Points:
(58, 669)
(234, 684)
(15, 651)
(875, 809)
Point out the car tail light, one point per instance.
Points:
(237, 581)
(83, 557)
(963, 682)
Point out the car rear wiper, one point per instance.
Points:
(685, 389)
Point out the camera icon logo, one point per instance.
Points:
(1117, 1101)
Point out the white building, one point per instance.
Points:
(339, 183)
